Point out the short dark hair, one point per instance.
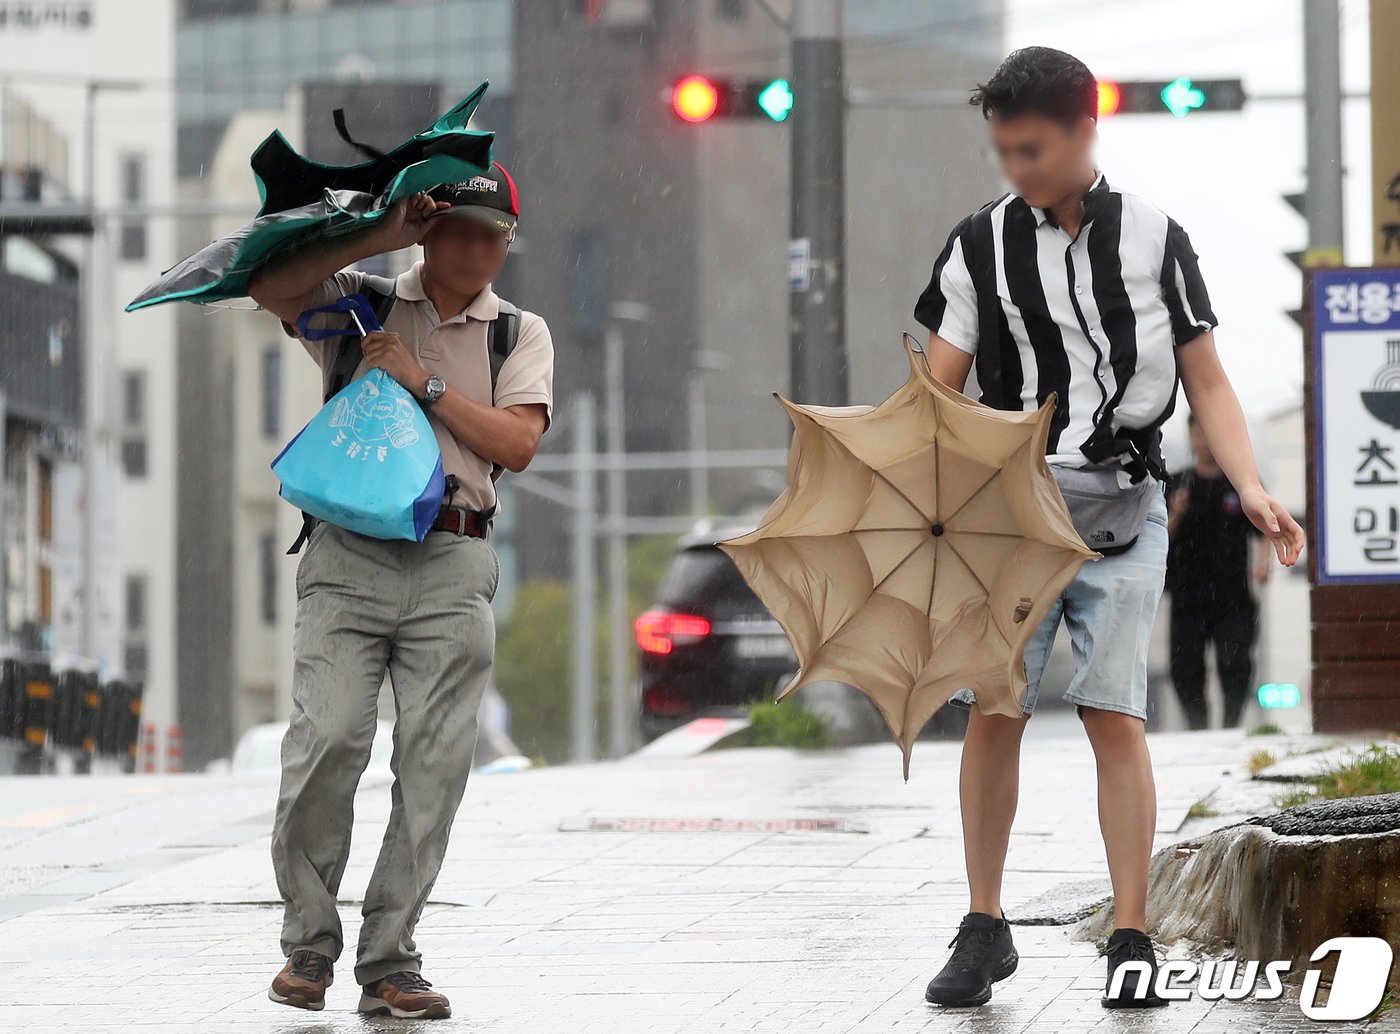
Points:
(1042, 81)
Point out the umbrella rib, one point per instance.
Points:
(837, 631)
(890, 573)
(895, 489)
(963, 505)
(970, 571)
(932, 582)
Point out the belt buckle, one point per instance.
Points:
(457, 520)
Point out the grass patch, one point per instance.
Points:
(1387, 1005)
(1200, 810)
(1260, 760)
(1373, 769)
(786, 725)
(1267, 729)
(1294, 797)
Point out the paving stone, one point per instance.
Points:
(111, 894)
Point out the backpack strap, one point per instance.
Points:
(501, 338)
(380, 290)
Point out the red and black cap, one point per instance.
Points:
(489, 198)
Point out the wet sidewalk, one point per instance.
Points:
(744, 890)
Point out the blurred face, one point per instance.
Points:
(1044, 158)
(1199, 447)
(463, 254)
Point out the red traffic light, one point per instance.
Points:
(695, 99)
(1110, 97)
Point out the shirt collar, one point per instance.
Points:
(1093, 199)
(408, 286)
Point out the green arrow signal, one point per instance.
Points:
(1181, 98)
(775, 100)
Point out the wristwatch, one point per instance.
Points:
(434, 389)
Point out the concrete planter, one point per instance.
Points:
(1249, 892)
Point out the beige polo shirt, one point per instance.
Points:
(456, 350)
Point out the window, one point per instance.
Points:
(271, 391)
(134, 457)
(136, 604)
(134, 659)
(134, 423)
(133, 399)
(268, 587)
(133, 230)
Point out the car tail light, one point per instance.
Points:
(664, 700)
(661, 631)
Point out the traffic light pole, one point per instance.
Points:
(1322, 93)
(818, 282)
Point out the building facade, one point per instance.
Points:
(89, 482)
(621, 202)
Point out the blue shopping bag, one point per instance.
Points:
(368, 461)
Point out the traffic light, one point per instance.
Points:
(698, 98)
(1180, 96)
(1307, 258)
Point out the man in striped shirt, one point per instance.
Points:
(1066, 286)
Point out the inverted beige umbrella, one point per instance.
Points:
(917, 548)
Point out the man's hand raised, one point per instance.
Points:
(388, 352)
(408, 220)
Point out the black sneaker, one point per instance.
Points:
(1128, 945)
(982, 954)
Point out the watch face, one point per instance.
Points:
(436, 386)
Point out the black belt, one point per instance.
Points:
(456, 519)
(461, 521)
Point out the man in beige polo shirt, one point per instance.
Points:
(421, 611)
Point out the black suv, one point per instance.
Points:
(707, 645)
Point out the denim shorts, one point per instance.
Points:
(1109, 609)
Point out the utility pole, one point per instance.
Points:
(1385, 142)
(585, 579)
(621, 716)
(1322, 101)
(817, 253)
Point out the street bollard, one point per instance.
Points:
(133, 723)
(38, 715)
(148, 747)
(67, 708)
(11, 699)
(174, 750)
(89, 721)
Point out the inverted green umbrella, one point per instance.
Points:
(304, 200)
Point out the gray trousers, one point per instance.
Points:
(423, 612)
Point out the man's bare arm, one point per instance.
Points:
(278, 284)
(948, 363)
(508, 436)
(1218, 411)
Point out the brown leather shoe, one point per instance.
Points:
(405, 995)
(303, 980)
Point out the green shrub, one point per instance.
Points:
(786, 725)
(534, 652)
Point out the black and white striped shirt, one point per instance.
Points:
(1093, 319)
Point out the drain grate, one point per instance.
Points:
(596, 824)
